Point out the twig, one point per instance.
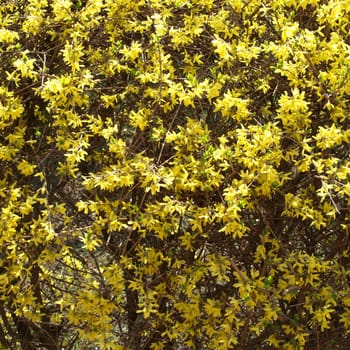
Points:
(330, 196)
(169, 128)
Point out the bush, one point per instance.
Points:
(174, 174)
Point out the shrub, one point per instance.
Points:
(174, 174)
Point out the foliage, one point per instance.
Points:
(174, 174)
